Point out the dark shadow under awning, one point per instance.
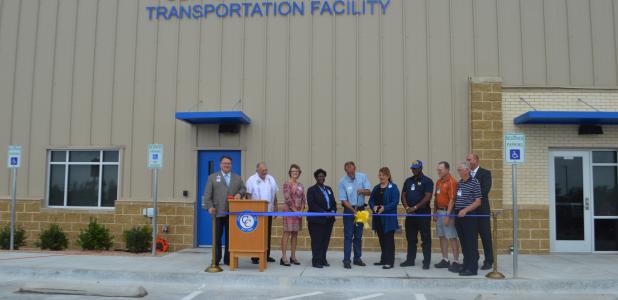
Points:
(214, 117)
(568, 118)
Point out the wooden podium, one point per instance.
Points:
(248, 233)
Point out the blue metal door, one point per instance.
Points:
(208, 163)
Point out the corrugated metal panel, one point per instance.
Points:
(321, 90)
(42, 96)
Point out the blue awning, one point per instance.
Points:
(214, 117)
(568, 117)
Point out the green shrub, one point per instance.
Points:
(138, 239)
(53, 238)
(95, 237)
(5, 237)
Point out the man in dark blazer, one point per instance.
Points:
(484, 178)
(219, 186)
(320, 199)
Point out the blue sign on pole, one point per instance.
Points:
(515, 148)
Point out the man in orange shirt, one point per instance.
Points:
(446, 187)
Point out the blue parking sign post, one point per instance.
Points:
(13, 163)
(155, 162)
(515, 154)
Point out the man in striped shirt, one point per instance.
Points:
(468, 199)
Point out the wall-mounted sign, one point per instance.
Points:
(239, 9)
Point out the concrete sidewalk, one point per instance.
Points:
(560, 273)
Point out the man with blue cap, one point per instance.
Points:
(415, 196)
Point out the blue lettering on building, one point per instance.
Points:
(263, 8)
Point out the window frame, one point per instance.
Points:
(66, 163)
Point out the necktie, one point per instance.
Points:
(227, 179)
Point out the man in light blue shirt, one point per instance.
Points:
(353, 188)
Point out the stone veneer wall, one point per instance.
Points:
(488, 127)
(34, 218)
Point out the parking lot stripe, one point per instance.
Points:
(368, 296)
(300, 296)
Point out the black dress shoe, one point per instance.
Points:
(359, 263)
(294, 261)
(455, 267)
(281, 262)
(325, 264)
(255, 261)
(378, 263)
(467, 273)
(346, 265)
(407, 263)
(270, 259)
(319, 266)
(386, 267)
(425, 266)
(486, 266)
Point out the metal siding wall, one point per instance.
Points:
(276, 98)
(165, 102)
(143, 98)
(187, 98)
(22, 93)
(486, 37)
(580, 43)
(322, 101)
(603, 43)
(462, 53)
(557, 43)
(321, 90)
(103, 85)
(83, 73)
(60, 128)
(511, 59)
(299, 118)
(533, 39)
(440, 105)
(393, 114)
(42, 96)
(369, 157)
(346, 71)
(9, 27)
(124, 88)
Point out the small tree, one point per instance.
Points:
(95, 237)
(53, 238)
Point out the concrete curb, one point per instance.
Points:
(229, 280)
(83, 289)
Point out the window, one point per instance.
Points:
(83, 178)
(605, 198)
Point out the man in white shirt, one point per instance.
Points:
(262, 186)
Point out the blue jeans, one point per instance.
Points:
(352, 235)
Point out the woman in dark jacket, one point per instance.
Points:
(320, 199)
(384, 200)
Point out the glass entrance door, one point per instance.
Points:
(570, 197)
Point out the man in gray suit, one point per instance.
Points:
(220, 185)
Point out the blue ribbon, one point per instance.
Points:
(318, 214)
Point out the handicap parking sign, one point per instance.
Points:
(515, 148)
(14, 157)
(155, 156)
